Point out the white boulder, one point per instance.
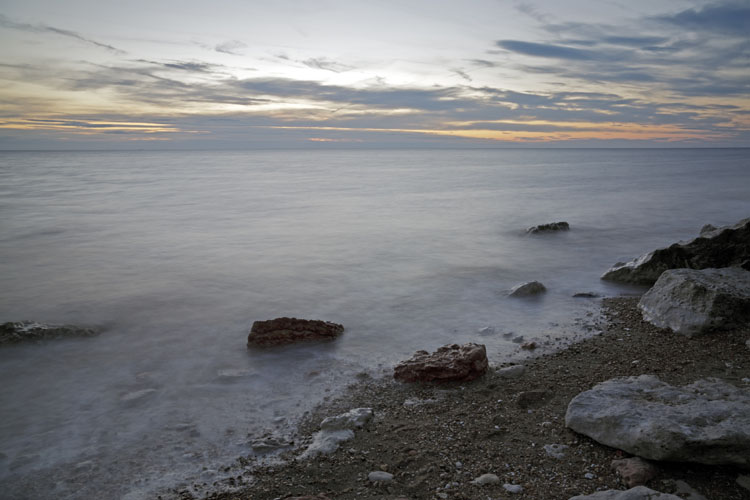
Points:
(705, 422)
(691, 301)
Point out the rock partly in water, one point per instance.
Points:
(634, 471)
(31, 331)
(549, 228)
(282, 331)
(637, 493)
(705, 422)
(449, 363)
(527, 289)
(724, 247)
(691, 301)
(336, 430)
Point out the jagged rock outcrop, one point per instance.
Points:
(705, 422)
(727, 246)
(527, 289)
(449, 363)
(282, 331)
(692, 301)
(548, 228)
(31, 331)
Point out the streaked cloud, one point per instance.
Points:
(43, 28)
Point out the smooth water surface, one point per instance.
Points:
(175, 254)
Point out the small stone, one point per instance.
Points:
(589, 475)
(529, 345)
(744, 481)
(380, 476)
(555, 450)
(634, 471)
(686, 492)
(747, 343)
(514, 371)
(487, 330)
(441, 495)
(486, 479)
(513, 488)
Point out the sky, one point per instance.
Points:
(168, 74)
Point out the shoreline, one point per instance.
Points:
(446, 435)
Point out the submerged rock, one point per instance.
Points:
(548, 228)
(527, 289)
(31, 331)
(723, 247)
(282, 331)
(705, 422)
(691, 301)
(637, 493)
(449, 363)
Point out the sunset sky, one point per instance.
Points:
(387, 73)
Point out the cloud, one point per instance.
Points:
(232, 47)
(462, 74)
(547, 50)
(42, 28)
(326, 64)
(728, 18)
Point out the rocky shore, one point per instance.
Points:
(504, 434)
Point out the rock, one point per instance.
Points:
(451, 362)
(336, 430)
(586, 295)
(708, 228)
(686, 492)
(637, 493)
(380, 476)
(320, 496)
(747, 343)
(634, 471)
(281, 331)
(138, 395)
(744, 481)
(705, 422)
(527, 289)
(548, 228)
(511, 371)
(513, 488)
(691, 301)
(31, 331)
(486, 479)
(487, 330)
(555, 450)
(530, 346)
(723, 247)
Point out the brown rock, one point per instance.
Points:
(634, 471)
(281, 331)
(449, 363)
(533, 399)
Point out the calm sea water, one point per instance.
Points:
(175, 254)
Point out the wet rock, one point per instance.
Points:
(705, 422)
(529, 346)
(549, 228)
(555, 450)
(691, 302)
(336, 430)
(634, 471)
(637, 493)
(31, 331)
(449, 363)
(585, 295)
(527, 289)
(282, 331)
(511, 371)
(723, 247)
(486, 479)
(380, 476)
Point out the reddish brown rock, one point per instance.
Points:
(281, 331)
(449, 363)
(634, 471)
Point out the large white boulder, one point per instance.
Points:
(705, 422)
(691, 301)
(637, 493)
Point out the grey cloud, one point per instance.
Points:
(462, 74)
(42, 28)
(326, 64)
(547, 50)
(730, 18)
(231, 47)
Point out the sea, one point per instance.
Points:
(173, 255)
